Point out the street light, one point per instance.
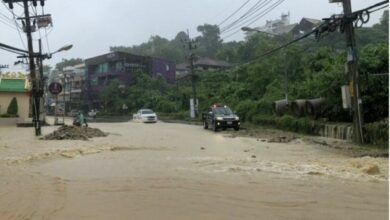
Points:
(48, 55)
(64, 48)
(249, 29)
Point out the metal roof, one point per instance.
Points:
(13, 85)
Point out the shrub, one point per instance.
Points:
(377, 133)
(289, 123)
(166, 106)
(13, 107)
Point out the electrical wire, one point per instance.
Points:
(257, 16)
(372, 6)
(272, 7)
(253, 20)
(386, 6)
(235, 12)
(7, 24)
(257, 7)
(323, 27)
(287, 44)
(18, 28)
(7, 18)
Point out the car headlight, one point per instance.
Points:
(237, 118)
(219, 118)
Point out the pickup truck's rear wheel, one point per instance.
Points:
(205, 125)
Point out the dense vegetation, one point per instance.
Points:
(314, 69)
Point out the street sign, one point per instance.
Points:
(55, 88)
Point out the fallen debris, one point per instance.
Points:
(371, 169)
(281, 139)
(74, 133)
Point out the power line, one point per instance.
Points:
(325, 26)
(5, 22)
(272, 7)
(257, 7)
(253, 20)
(386, 6)
(6, 17)
(235, 12)
(18, 28)
(12, 49)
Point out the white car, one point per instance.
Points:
(145, 115)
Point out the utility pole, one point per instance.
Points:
(191, 57)
(36, 94)
(41, 81)
(352, 71)
(36, 79)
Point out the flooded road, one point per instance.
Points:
(175, 171)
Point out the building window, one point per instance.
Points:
(119, 66)
(102, 68)
(167, 67)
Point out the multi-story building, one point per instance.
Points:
(277, 26)
(102, 70)
(74, 78)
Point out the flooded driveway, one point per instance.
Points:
(175, 171)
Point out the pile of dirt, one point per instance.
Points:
(266, 135)
(74, 133)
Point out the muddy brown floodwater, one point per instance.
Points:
(176, 171)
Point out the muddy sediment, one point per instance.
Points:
(74, 133)
(173, 171)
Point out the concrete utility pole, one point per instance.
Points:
(191, 57)
(41, 82)
(352, 71)
(36, 93)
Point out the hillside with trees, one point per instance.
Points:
(313, 69)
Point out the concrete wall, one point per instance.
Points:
(23, 104)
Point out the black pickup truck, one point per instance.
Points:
(220, 116)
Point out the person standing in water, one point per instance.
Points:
(83, 120)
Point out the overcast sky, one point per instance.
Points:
(93, 26)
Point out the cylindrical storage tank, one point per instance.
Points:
(298, 107)
(280, 107)
(314, 107)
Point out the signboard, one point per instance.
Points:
(55, 88)
(346, 96)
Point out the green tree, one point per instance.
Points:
(112, 97)
(209, 41)
(68, 62)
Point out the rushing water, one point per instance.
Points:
(170, 171)
(338, 131)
